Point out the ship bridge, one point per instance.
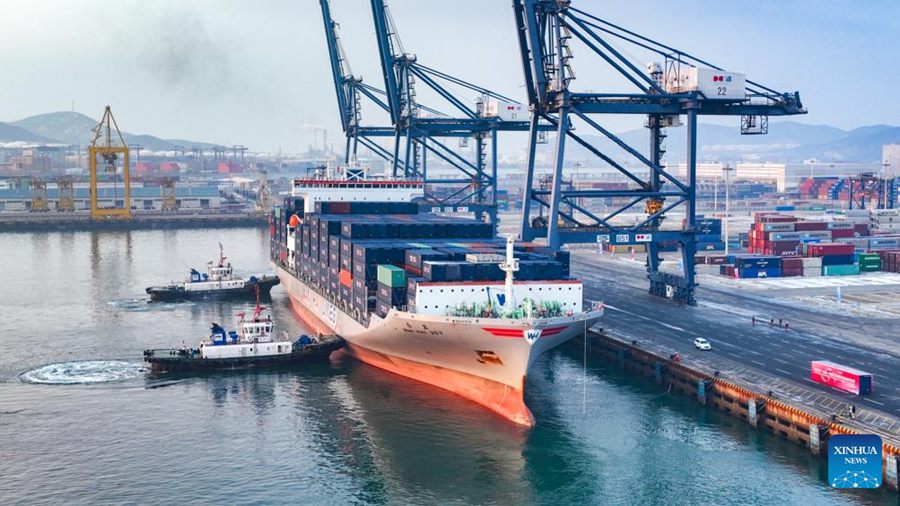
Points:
(356, 190)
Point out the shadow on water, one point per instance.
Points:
(431, 446)
(711, 451)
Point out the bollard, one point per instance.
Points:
(818, 435)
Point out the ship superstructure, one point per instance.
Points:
(435, 298)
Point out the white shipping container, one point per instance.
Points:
(778, 227)
(484, 258)
(812, 272)
(812, 262)
(713, 84)
(792, 236)
(506, 111)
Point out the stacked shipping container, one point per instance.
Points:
(370, 256)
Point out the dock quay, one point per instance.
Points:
(800, 414)
(47, 222)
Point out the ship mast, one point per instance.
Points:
(222, 256)
(510, 266)
(258, 309)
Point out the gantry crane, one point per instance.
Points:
(40, 202)
(168, 194)
(66, 201)
(663, 92)
(351, 91)
(106, 147)
(418, 132)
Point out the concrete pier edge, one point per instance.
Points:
(790, 420)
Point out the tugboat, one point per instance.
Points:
(218, 282)
(255, 344)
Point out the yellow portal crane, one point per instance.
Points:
(39, 200)
(107, 149)
(168, 194)
(262, 196)
(66, 200)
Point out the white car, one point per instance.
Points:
(702, 344)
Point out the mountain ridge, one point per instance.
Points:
(70, 127)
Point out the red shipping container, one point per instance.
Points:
(785, 245)
(822, 249)
(345, 278)
(843, 233)
(861, 229)
(841, 377)
(890, 261)
(788, 273)
(806, 226)
(715, 259)
(791, 263)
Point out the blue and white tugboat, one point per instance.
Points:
(218, 282)
(254, 344)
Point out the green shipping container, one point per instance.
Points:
(391, 276)
(870, 267)
(840, 270)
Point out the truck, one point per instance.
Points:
(841, 377)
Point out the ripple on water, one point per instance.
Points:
(83, 372)
(140, 305)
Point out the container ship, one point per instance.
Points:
(435, 298)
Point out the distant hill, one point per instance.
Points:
(12, 133)
(786, 141)
(66, 127)
(862, 145)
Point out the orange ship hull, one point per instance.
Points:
(506, 401)
(485, 360)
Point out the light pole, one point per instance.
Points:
(726, 170)
(715, 195)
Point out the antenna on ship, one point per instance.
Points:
(510, 266)
(222, 256)
(258, 309)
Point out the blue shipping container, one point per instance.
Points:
(837, 259)
(710, 246)
(758, 262)
(767, 272)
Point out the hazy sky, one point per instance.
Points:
(235, 71)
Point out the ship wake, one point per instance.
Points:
(84, 372)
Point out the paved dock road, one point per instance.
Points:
(725, 319)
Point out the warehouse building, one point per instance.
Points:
(786, 176)
(147, 198)
(890, 160)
